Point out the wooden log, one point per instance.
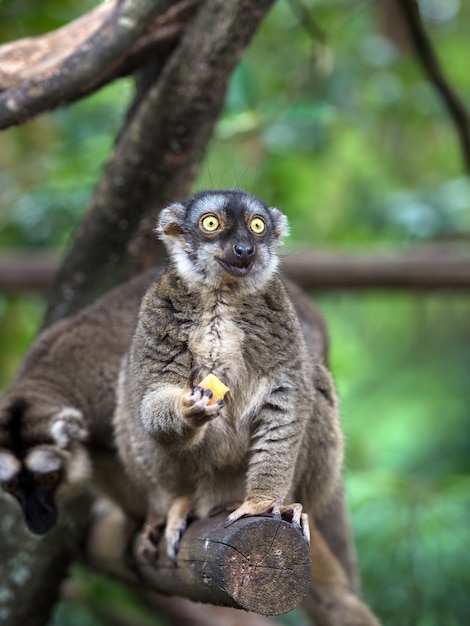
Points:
(259, 564)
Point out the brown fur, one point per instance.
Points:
(61, 403)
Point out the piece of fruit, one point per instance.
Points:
(216, 386)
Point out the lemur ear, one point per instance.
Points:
(281, 224)
(68, 425)
(170, 220)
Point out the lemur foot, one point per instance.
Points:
(291, 513)
(150, 536)
(195, 402)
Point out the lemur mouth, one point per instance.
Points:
(237, 268)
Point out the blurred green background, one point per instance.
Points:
(346, 135)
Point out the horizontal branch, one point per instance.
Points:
(425, 268)
(259, 564)
(32, 272)
(42, 73)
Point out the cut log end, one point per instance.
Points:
(259, 564)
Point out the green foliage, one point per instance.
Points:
(96, 601)
(351, 140)
(401, 365)
(20, 317)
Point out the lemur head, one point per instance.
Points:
(223, 237)
(42, 456)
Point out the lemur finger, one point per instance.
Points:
(193, 374)
(192, 397)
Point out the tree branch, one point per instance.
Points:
(259, 564)
(430, 63)
(86, 67)
(158, 152)
(33, 57)
(413, 269)
(430, 267)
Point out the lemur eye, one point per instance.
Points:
(258, 225)
(209, 223)
(49, 479)
(10, 486)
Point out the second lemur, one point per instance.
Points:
(274, 444)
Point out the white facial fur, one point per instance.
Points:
(196, 261)
(9, 466)
(43, 459)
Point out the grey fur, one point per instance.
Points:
(222, 307)
(278, 435)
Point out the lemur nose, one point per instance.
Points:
(244, 250)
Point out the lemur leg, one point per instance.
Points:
(176, 523)
(330, 601)
(150, 536)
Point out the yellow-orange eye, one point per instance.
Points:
(10, 486)
(258, 225)
(209, 223)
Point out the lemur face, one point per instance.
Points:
(41, 457)
(223, 237)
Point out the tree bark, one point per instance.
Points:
(82, 70)
(37, 58)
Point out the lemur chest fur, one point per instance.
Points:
(216, 341)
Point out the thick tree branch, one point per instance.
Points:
(258, 564)
(85, 68)
(412, 269)
(430, 63)
(159, 150)
(33, 57)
